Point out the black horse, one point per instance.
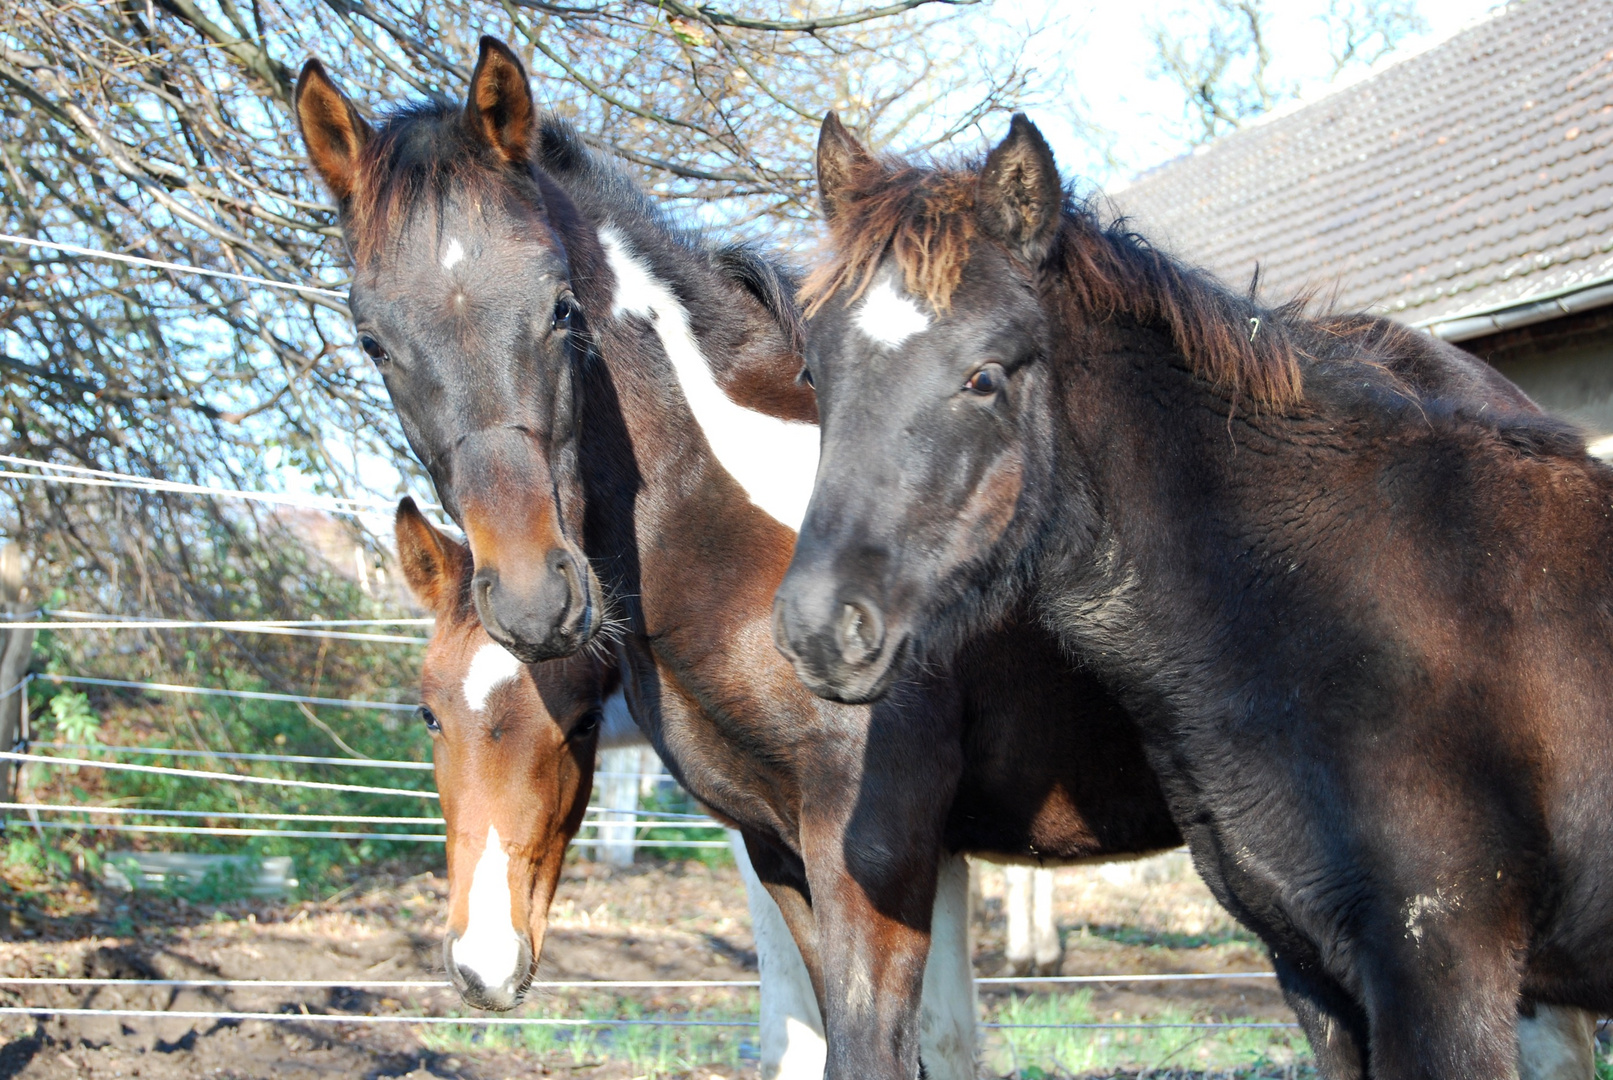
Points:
(544, 335)
(1364, 618)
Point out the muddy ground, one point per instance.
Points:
(679, 921)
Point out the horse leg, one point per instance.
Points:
(1441, 997)
(792, 1043)
(1044, 931)
(1017, 907)
(1556, 1042)
(1335, 1026)
(948, 1009)
(874, 949)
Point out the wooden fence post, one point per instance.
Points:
(16, 650)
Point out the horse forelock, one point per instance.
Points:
(420, 160)
(925, 219)
(922, 216)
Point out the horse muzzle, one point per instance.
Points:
(490, 974)
(837, 639)
(542, 615)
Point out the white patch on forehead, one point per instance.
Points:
(774, 460)
(492, 666)
(889, 317)
(452, 254)
(490, 948)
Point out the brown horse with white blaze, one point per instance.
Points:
(513, 746)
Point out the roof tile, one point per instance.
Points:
(1475, 175)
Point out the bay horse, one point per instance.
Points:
(514, 749)
(550, 342)
(1366, 627)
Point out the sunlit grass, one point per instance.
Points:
(1039, 1052)
(649, 1051)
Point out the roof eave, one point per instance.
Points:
(1583, 297)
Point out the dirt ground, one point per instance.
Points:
(680, 921)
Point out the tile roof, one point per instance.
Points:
(1473, 176)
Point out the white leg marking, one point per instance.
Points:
(492, 666)
(888, 317)
(774, 460)
(1017, 899)
(1044, 932)
(948, 1008)
(490, 946)
(793, 1047)
(452, 254)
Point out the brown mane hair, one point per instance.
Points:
(925, 217)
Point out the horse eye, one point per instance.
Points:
(565, 309)
(806, 377)
(372, 348)
(585, 726)
(430, 718)
(987, 379)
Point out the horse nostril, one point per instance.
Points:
(859, 632)
(566, 567)
(482, 598)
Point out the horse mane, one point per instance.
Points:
(593, 178)
(774, 286)
(924, 216)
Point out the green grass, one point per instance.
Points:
(670, 798)
(648, 1051)
(1032, 1053)
(123, 717)
(1137, 935)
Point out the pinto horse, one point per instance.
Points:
(1363, 617)
(558, 355)
(514, 751)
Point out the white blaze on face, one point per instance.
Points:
(452, 254)
(774, 460)
(490, 948)
(888, 317)
(492, 666)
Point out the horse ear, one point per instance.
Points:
(499, 109)
(839, 155)
(434, 563)
(1019, 198)
(332, 129)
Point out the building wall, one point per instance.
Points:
(1566, 365)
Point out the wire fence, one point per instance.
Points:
(73, 755)
(48, 472)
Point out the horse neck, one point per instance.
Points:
(694, 551)
(1145, 481)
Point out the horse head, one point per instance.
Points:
(513, 746)
(462, 296)
(925, 330)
